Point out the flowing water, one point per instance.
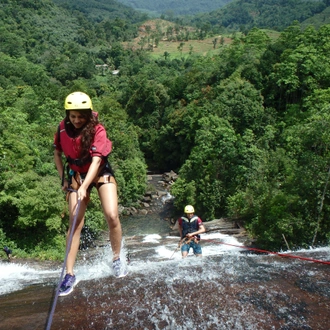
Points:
(228, 288)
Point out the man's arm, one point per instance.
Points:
(201, 229)
(180, 229)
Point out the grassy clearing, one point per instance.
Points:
(200, 47)
(178, 49)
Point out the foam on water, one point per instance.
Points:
(14, 277)
(98, 267)
(154, 253)
(154, 238)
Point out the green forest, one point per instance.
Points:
(270, 14)
(172, 8)
(246, 127)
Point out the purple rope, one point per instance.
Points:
(50, 319)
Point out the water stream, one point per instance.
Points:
(226, 289)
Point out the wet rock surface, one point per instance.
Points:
(231, 291)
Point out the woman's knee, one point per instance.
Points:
(112, 220)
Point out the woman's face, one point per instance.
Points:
(77, 119)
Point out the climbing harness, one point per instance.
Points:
(185, 240)
(51, 314)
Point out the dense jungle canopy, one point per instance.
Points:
(246, 126)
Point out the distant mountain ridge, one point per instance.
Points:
(319, 19)
(229, 15)
(175, 7)
(239, 14)
(98, 10)
(268, 14)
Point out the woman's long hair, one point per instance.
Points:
(87, 132)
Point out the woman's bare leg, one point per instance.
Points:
(73, 203)
(109, 201)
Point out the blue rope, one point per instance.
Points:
(50, 319)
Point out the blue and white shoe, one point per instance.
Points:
(67, 285)
(119, 268)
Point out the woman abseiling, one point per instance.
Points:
(83, 141)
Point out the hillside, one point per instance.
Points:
(215, 17)
(318, 19)
(272, 14)
(174, 48)
(171, 43)
(98, 10)
(240, 127)
(175, 8)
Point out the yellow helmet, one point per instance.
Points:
(189, 209)
(78, 101)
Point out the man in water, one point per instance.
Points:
(190, 228)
